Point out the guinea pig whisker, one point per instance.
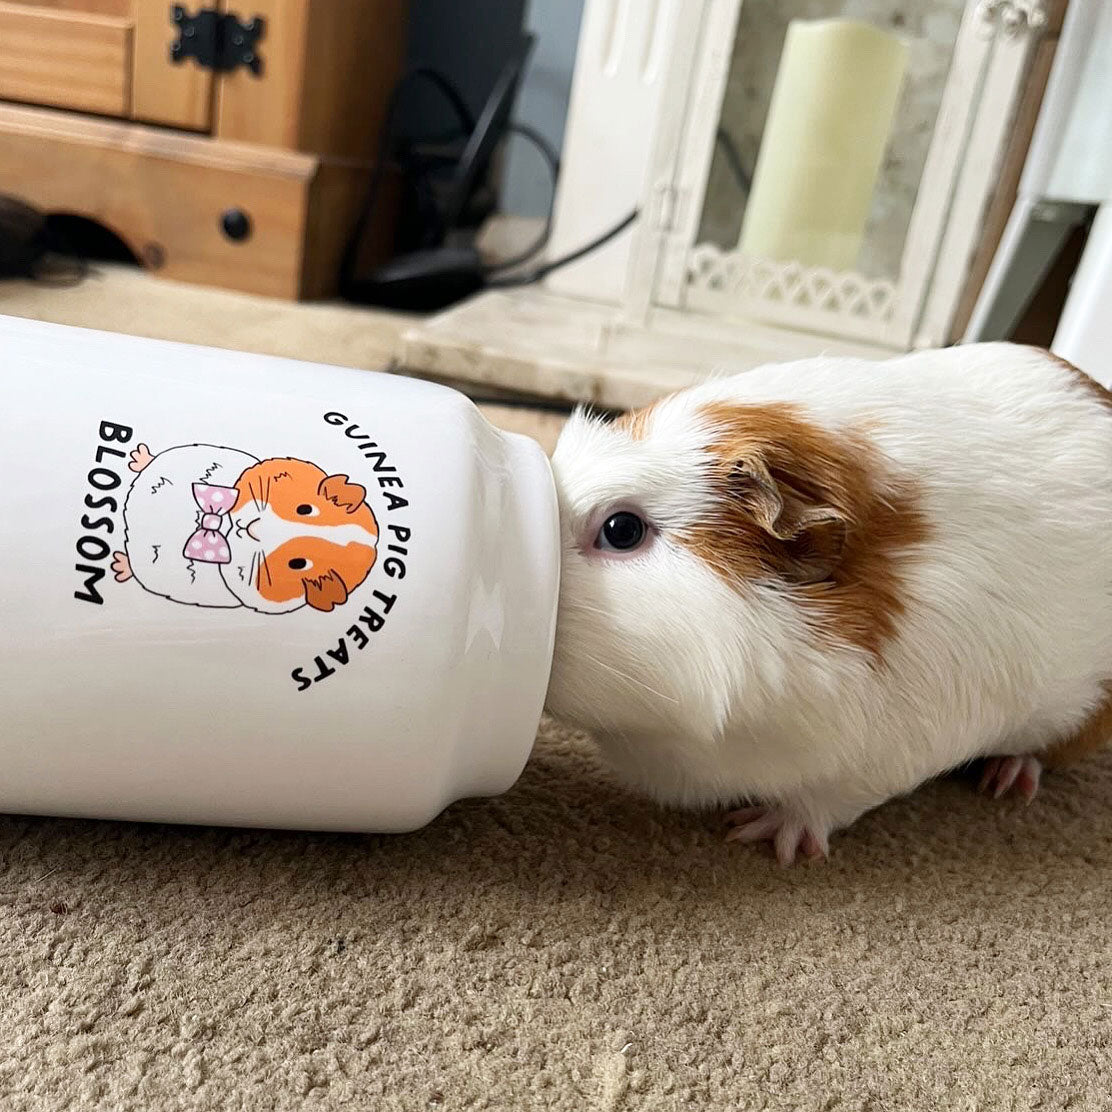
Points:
(628, 678)
(266, 567)
(585, 608)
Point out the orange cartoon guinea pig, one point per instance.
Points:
(212, 526)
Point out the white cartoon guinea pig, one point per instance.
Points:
(813, 586)
(213, 526)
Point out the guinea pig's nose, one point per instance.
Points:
(211, 521)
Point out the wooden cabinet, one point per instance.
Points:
(177, 94)
(105, 56)
(76, 55)
(98, 118)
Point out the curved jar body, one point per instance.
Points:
(249, 591)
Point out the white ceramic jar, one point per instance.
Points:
(249, 591)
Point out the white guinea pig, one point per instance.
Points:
(814, 586)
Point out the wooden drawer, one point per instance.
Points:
(327, 68)
(165, 195)
(293, 136)
(75, 59)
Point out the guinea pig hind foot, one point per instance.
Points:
(789, 833)
(1002, 775)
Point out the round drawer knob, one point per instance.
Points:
(236, 224)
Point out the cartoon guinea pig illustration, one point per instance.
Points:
(213, 526)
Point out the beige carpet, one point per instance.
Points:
(570, 947)
(566, 946)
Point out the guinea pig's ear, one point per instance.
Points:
(338, 489)
(326, 592)
(810, 532)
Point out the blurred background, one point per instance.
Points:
(567, 199)
(437, 29)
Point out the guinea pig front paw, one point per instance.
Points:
(139, 458)
(121, 567)
(788, 832)
(1002, 775)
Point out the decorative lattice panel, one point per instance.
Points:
(734, 278)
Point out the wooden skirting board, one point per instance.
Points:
(164, 194)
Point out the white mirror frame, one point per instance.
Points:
(668, 268)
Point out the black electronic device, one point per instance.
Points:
(449, 197)
(426, 280)
(445, 176)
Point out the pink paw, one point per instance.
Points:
(788, 833)
(121, 567)
(1002, 774)
(139, 458)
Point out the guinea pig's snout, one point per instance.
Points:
(241, 528)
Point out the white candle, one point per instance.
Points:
(831, 112)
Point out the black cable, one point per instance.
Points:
(451, 93)
(553, 160)
(385, 155)
(547, 268)
(386, 144)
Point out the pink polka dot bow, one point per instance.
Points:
(207, 545)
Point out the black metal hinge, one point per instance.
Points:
(217, 40)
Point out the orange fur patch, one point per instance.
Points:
(843, 526)
(286, 484)
(636, 421)
(329, 573)
(340, 491)
(327, 592)
(1099, 392)
(1094, 733)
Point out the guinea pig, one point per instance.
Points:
(811, 587)
(213, 526)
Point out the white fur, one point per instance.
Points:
(705, 694)
(161, 514)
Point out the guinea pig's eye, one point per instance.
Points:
(621, 532)
(305, 510)
(299, 563)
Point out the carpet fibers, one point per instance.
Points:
(566, 946)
